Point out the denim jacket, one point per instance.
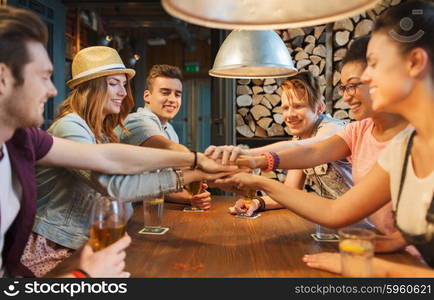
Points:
(64, 204)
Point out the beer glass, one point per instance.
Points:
(194, 188)
(250, 194)
(324, 234)
(107, 222)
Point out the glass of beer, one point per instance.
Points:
(107, 222)
(356, 246)
(250, 194)
(194, 188)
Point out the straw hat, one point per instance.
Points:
(95, 62)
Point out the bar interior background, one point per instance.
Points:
(215, 110)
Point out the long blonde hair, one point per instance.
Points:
(88, 100)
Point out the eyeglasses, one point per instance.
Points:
(350, 88)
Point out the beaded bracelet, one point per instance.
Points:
(273, 161)
(79, 273)
(276, 160)
(270, 161)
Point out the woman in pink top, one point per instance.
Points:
(400, 77)
(360, 141)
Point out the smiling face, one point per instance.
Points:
(386, 74)
(164, 99)
(298, 115)
(116, 93)
(24, 105)
(360, 102)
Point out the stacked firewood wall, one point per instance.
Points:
(258, 100)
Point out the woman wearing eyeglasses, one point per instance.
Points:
(360, 141)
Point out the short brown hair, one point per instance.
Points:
(162, 71)
(308, 82)
(17, 28)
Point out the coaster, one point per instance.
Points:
(332, 237)
(192, 209)
(253, 216)
(154, 230)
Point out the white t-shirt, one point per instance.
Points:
(144, 124)
(416, 193)
(10, 195)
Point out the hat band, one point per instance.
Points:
(99, 69)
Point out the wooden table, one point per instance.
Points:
(217, 244)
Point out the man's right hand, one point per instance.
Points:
(244, 207)
(108, 262)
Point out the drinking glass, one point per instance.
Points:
(324, 234)
(356, 246)
(153, 212)
(108, 220)
(194, 188)
(250, 194)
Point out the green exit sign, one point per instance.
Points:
(191, 67)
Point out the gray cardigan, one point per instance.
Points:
(63, 194)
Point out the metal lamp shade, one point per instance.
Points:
(264, 14)
(253, 54)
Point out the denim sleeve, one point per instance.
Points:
(139, 186)
(140, 129)
(73, 128)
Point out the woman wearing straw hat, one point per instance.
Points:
(99, 101)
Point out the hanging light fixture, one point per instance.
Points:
(253, 54)
(264, 14)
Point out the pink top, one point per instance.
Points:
(365, 150)
(364, 147)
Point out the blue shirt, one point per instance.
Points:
(144, 124)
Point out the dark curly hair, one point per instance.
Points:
(357, 51)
